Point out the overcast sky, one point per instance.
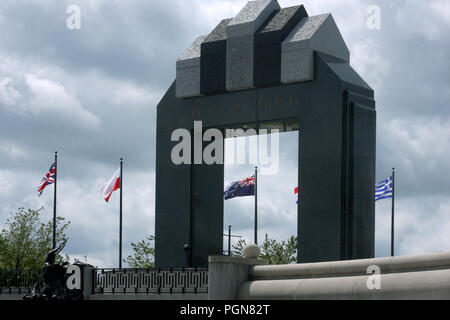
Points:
(92, 93)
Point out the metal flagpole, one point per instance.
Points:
(229, 240)
(54, 201)
(120, 223)
(229, 235)
(392, 216)
(256, 205)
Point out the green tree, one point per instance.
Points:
(25, 242)
(144, 254)
(283, 252)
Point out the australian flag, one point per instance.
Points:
(49, 178)
(242, 188)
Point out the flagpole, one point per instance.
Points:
(54, 200)
(256, 205)
(120, 223)
(392, 214)
(229, 240)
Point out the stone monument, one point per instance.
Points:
(279, 66)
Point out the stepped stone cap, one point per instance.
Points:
(220, 32)
(213, 60)
(306, 28)
(251, 17)
(317, 33)
(244, 52)
(240, 42)
(267, 44)
(279, 19)
(188, 70)
(188, 58)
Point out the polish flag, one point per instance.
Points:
(111, 186)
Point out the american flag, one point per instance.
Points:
(49, 178)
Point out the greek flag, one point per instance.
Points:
(383, 189)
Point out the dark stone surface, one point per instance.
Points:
(206, 212)
(267, 53)
(336, 116)
(213, 60)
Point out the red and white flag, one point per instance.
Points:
(111, 186)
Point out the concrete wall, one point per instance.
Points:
(420, 285)
(227, 274)
(425, 276)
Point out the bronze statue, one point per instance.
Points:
(52, 280)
